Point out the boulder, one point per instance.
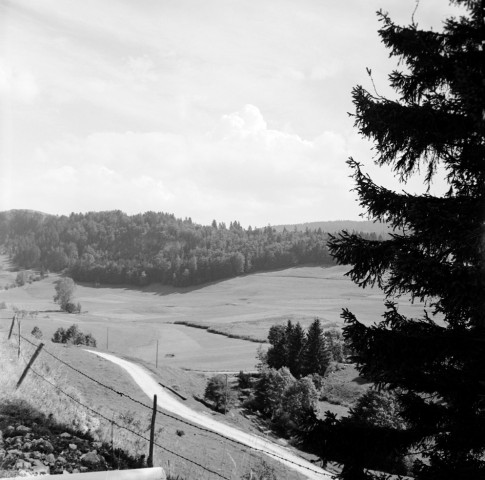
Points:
(91, 458)
(50, 458)
(22, 429)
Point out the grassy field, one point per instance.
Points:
(36, 397)
(131, 321)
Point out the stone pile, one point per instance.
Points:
(29, 450)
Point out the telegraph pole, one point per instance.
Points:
(156, 361)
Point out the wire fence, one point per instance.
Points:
(242, 446)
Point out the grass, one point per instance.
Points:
(242, 308)
(341, 389)
(130, 322)
(203, 448)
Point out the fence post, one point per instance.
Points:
(11, 327)
(18, 323)
(31, 361)
(152, 433)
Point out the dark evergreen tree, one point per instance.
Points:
(296, 346)
(436, 363)
(316, 357)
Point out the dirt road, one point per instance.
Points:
(167, 402)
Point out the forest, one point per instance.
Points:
(116, 248)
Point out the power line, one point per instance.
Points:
(185, 422)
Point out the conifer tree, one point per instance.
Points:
(296, 347)
(316, 357)
(435, 362)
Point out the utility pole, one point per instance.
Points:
(156, 361)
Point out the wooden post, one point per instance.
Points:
(11, 327)
(152, 433)
(31, 361)
(156, 361)
(18, 323)
(225, 398)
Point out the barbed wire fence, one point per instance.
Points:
(247, 452)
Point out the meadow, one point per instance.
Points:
(131, 321)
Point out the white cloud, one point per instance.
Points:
(17, 85)
(240, 170)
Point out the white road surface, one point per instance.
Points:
(168, 403)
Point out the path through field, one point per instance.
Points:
(166, 402)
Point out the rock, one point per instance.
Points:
(65, 435)
(61, 460)
(27, 446)
(90, 458)
(47, 446)
(72, 446)
(14, 451)
(22, 464)
(9, 430)
(50, 458)
(23, 429)
(41, 470)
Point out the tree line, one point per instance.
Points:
(113, 247)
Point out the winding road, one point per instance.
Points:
(167, 402)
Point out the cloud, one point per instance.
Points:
(17, 85)
(241, 169)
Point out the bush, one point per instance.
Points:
(73, 336)
(244, 380)
(36, 332)
(219, 393)
(72, 307)
(21, 279)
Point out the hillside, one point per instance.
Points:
(112, 247)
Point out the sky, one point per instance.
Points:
(209, 109)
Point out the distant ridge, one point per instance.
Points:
(365, 226)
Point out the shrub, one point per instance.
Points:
(36, 332)
(219, 392)
(244, 380)
(73, 336)
(72, 307)
(21, 279)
